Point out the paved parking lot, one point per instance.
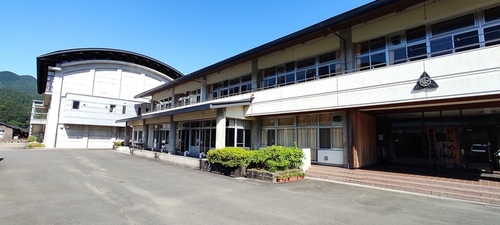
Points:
(105, 187)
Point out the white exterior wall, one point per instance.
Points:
(96, 84)
(467, 74)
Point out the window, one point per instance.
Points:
(450, 35)
(492, 35)
(112, 108)
(76, 104)
(371, 54)
(124, 109)
(232, 87)
(492, 14)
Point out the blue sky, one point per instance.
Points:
(185, 34)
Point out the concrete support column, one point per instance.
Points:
(145, 133)
(220, 139)
(172, 136)
(128, 130)
(86, 135)
(255, 74)
(256, 126)
(347, 51)
(204, 89)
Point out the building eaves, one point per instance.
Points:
(192, 108)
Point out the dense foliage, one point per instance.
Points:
(17, 94)
(272, 158)
(35, 145)
(229, 157)
(277, 158)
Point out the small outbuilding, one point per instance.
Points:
(9, 133)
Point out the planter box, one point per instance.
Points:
(234, 172)
(272, 177)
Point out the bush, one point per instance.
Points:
(32, 138)
(277, 158)
(117, 143)
(231, 157)
(35, 145)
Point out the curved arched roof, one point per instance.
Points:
(81, 54)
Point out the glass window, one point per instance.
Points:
(377, 44)
(290, 67)
(230, 137)
(76, 104)
(240, 137)
(285, 121)
(364, 63)
(397, 55)
(271, 137)
(280, 69)
(301, 120)
(248, 138)
(324, 138)
(328, 57)
(234, 81)
(310, 73)
(301, 75)
(440, 46)
(124, 109)
(267, 122)
(337, 137)
(247, 78)
(305, 63)
(453, 24)
(492, 35)
(466, 41)
(492, 14)
(325, 119)
(415, 34)
(323, 70)
(311, 120)
(416, 52)
(378, 60)
(364, 48)
(286, 137)
(289, 78)
(112, 108)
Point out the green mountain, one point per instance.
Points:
(23, 83)
(17, 94)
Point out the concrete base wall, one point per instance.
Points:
(163, 157)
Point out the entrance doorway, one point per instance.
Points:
(459, 139)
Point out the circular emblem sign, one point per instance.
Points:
(325, 158)
(425, 82)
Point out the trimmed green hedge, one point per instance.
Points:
(229, 157)
(273, 158)
(277, 158)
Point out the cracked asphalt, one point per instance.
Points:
(49, 186)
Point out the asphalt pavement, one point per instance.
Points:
(48, 186)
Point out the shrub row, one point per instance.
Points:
(273, 158)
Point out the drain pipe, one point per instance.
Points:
(344, 49)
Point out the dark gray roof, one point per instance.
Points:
(14, 127)
(80, 54)
(340, 22)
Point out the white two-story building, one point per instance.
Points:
(86, 90)
(410, 82)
